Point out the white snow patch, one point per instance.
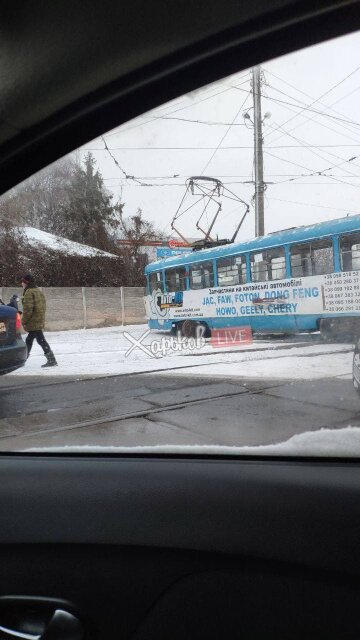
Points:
(38, 238)
(103, 352)
(341, 443)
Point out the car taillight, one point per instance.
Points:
(18, 322)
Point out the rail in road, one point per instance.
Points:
(249, 388)
(145, 412)
(307, 341)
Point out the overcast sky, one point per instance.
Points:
(297, 143)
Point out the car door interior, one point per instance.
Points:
(157, 548)
(100, 546)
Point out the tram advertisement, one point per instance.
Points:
(335, 293)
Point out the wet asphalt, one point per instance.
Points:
(165, 409)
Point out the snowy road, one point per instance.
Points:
(259, 395)
(106, 352)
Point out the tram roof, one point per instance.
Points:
(287, 236)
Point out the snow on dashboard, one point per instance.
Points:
(342, 443)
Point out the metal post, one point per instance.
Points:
(258, 153)
(122, 302)
(83, 291)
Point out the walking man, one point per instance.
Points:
(33, 318)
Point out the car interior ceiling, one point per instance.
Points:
(162, 546)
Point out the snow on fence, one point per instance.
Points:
(88, 307)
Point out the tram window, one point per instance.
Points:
(268, 265)
(175, 279)
(301, 260)
(202, 275)
(312, 259)
(156, 281)
(350, 252)
(323, 257)
(278, 267)
(231, 270)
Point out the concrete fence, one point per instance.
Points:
(88, 307)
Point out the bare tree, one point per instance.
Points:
(137, 231)
(41, 200)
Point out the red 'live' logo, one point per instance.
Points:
(231, 337)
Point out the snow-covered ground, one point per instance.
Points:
(105, 351)
(38, 239)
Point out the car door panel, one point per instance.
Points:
(157, 548)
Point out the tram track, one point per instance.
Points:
(152, 412)
(79, 379)
(143, 413)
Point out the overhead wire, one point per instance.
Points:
(207, 122)
(311, 204)
(308, 95)
(320, 113)
(311, 148)
(309, 170)
(225, 134)
(332, 88)
(167, 106)
(188, 106)
(341, 126)
(321, 156)
(349, 126)
(272, 175)
(225, 148)
(355, 140)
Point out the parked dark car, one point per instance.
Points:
(12, 346)
(356, 367)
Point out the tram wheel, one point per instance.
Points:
(190, 328)
(207, 330)
(327, 329)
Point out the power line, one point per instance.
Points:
(317, 173)
(188, 106)
(348, 126)
(270, 175)
(225, 134)
(197, 148)
(321, 124)
(207, 122)
(320, 113)
(242, 182)
(320, 206)
(126, 175)
(328, 153)
(318, 155)
(302, 141)
(170, 105)
(310, 148)
(312, 97)
(321, 97)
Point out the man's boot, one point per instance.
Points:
(51, 360)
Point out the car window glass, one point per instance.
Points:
(190, 280)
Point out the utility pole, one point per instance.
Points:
(258, 153)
